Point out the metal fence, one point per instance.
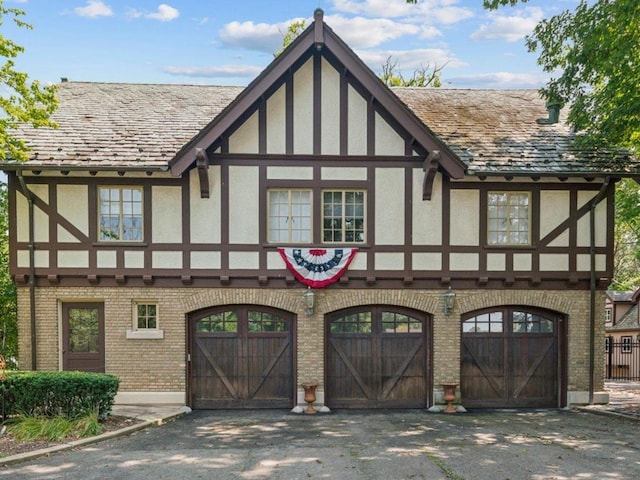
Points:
(622, 358)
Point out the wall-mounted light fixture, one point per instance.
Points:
(449, 301)
(309, 300)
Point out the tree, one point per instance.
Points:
(22, 102)
(626, 268)
(593, 55)
(595, 52)
(293, 32)
(8, 300)
(422, 77)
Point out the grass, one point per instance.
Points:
(55, 429)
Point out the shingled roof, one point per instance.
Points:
(123, 125)
(143, 126)
(629, 321)
(496, 132)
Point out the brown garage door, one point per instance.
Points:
(241, 357)
(511, 357)
(377, 357)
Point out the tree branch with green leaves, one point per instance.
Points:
(21, 101)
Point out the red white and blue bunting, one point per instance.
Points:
(317, 267)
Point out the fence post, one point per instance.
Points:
(609, 356)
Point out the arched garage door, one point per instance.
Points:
(241, 357)
(512, 357)
(377, 357)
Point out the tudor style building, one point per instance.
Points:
(218, 246)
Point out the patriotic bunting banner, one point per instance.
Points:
(317, 267)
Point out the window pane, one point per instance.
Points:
(289, 215)
(343, 216)
(120, 212)
(83, 330)
(508, 218)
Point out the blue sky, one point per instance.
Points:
(222, 42)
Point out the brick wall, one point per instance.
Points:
(159, 365)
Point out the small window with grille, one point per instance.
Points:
(145, 320)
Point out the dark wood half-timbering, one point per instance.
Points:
(170, 259)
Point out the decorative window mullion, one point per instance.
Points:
(509, 218)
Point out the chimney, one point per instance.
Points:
(553, 108)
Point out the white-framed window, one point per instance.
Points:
(145, 321)
(343, 216)
(289, 216)
(607, 315)
(626, 342)
(508, 218)
(146, 316)
(120, 216)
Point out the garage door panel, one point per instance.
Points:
(403, 371)
(509, 358)
(241, 358)
(383, 366)
(349, 368)
(269, 367)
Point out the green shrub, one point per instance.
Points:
(29, 429)
(56, 429)
(59, 394)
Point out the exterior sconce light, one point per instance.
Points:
(449, 301)
(309, 300)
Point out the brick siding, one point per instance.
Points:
(159, 365)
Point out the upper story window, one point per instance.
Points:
(343, 216)
(607, 315)
(508, 218)
(289, 216)
(120, 214)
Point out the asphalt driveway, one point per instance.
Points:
(412, 444)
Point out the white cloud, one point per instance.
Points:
(509, 27)
(500, 80)
(93, 9)
(360, 32)
(263, 37)
(357, 32)
(132, 13)
(215, 71)
(432, 12)
(410, 60)
(429, 32)
(375, 8)
(165, 13)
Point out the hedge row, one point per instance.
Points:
(50, 394)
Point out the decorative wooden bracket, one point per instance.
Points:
(202, 163)
(430, 168)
